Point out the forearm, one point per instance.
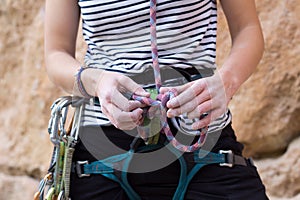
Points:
(61, 68)
(247, 44)
(247, 50)
(61, 29)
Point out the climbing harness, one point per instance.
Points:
(157, 105)
(191, 157)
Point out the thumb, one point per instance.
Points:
(164, 89)
(178, 89)
(141, 92)
(133, 87)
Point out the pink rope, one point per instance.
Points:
(162, 99)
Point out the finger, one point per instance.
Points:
(128, 117)
(204, 107)
(179, 89)
(108, 115)
(130, 120)
(164, 89)
(203, 122)
(210, 117)
(189, 106)
(122, 119)
(136, 115)
(119, 100)
(187, 95)
(133, 104)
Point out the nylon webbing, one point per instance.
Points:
(69, 151)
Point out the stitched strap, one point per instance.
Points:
(69, 151)
(202, 158)
(107, 167)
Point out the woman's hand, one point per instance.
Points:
(211, 95)
(206, 95)
(110, 88)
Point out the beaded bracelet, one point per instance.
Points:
(80, 86)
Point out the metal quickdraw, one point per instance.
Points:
(64, 139)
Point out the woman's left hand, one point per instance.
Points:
(206, 95)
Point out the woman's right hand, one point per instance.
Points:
(110, 88)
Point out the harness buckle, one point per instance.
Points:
(80, 168)
(229, 158)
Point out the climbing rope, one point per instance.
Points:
(162, 99)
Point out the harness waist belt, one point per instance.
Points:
(167, 74)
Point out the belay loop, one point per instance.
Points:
(162, 99)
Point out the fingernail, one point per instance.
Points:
(194, 127)
(171, 103)
(145, 93)
(162, 89)
(141, 92)
(140, 111)
(170, 113)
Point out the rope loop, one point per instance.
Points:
(158, 107)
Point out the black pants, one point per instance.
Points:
(212, 182)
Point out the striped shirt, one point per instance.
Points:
(118, 36)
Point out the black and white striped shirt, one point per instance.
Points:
(118, 36)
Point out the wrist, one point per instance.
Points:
(231, 83)
(90, 79)
(79, 87)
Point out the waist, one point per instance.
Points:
(170, 76)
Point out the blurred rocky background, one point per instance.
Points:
(266, 110)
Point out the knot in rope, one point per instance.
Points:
(157, 107)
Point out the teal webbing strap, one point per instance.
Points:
(105, 167)
(201, 158)
(206, 157)
(129, 190)
(98, 167)
(180, 192)
(183, 172)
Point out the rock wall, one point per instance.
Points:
(266, 109)
(268, 105)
